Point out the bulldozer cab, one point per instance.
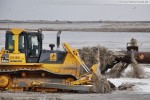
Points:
(29, 43)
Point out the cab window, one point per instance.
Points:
(21, 42)
(11, 39)
(33, 45)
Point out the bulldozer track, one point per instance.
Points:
(30, 75)
(35, 69)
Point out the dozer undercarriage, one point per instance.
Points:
(25, 79)
(42, 80)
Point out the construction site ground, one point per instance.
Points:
(117, 95)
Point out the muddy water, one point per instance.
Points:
(112, 40)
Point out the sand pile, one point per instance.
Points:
(90, 55)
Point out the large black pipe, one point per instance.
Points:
(141, 57)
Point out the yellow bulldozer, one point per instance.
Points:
(25, 66)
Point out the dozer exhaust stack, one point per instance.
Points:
(58, 39)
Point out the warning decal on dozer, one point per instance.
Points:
(53, 57)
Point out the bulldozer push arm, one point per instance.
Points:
(75, 54)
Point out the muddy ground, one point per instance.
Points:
(117, 95)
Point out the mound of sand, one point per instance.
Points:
(90, 55)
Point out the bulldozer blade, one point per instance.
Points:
(100, 84)
(79, 88)
(96, 78)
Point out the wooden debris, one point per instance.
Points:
(126, 86)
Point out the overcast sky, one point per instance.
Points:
(71, 10)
